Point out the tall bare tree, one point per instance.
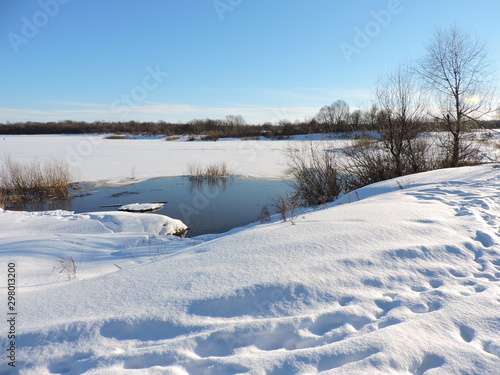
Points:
(334, 117)
(456, 71)
(400, 118)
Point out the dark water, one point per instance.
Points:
(205, 208)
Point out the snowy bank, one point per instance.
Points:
(59, 221)
(401, 277)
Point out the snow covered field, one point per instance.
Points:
(93, 158)
(387, 280)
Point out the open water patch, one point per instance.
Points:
(206, 207)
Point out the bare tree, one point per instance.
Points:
(235, 120)
(370, 117)
(456, 71)
(399, 119)
(334, 117)
(355, 120)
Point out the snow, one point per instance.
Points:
(58, 221)
(94, 158)
(99, 242)
(141, 207)
(401, 277)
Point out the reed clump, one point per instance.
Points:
(213, 172)
(33, 181)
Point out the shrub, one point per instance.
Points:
(213, 171)
(287, 207)
(34, 180)
(367, 163)
(317, 180)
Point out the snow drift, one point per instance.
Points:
(401, 277)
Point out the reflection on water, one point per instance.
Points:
(196, 183)
(206, 207)
(44, 205)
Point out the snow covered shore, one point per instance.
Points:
(402, 277)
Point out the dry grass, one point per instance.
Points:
(212, 171)
(173, 138)
(366, 141)
(34, 181)
(117, 137)
(66, 267)
(265, 215)
(287, 207)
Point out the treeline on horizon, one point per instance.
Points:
(210, 128)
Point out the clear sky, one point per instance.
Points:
(176, 60)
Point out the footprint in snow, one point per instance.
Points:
(422, 308)
(467, 333)
(328, 322)
(418, 289)
(66, 364)
(386, 306)
(224, 343)
(430, 361)
(484, 238)
(435, 283)
(456, 273)
(345, 301)
(492, 348)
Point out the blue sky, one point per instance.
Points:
(175, 60)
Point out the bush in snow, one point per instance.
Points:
(316, 173)
(34, 180)
(212, 171)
